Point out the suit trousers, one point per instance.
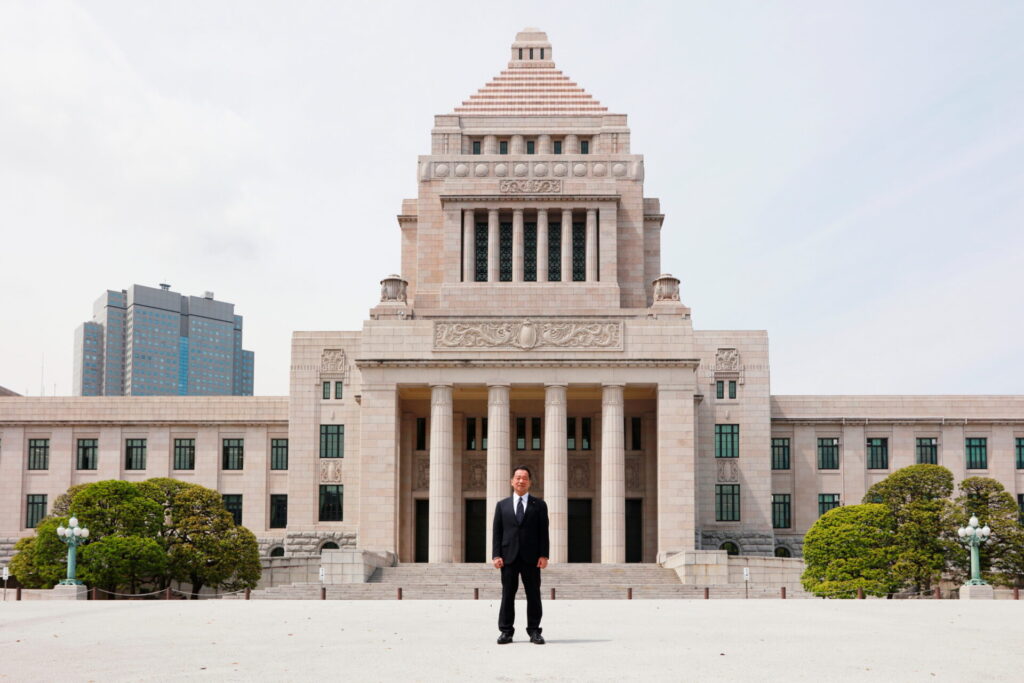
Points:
(510, 574)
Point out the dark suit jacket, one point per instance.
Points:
(527, 541)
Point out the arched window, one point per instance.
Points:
(330, 545)
(277, 552)
(730, 548)
(783, 551)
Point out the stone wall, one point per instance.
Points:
(717, 568)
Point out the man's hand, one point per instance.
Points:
(542, 563)
(498, 562)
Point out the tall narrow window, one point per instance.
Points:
(927, 450)
(586, 426)
(476, 147)
(977, 453)
(278, 510)
(557, 146)
(331, 503)
(531, 53)
(505, 252)
(470, 433)
(339, 388)
(332, 441)
(554, 252)
(233, 504)
(530, 252)
(327, 390)
(878, 454)
(1020, 453)
(483, 433)
(421, 433)
(279, 454)
(570, 433)
(828, 454)
(35, 509)
(727, 441)
(579, 252)
(503, 147)
(520, 433)
(535, 430)
(531, 147)
(720, 389)
(135, 454)
(780, 511)
(184, 454)
(480, 257)
(584, 146)
(727, 502)
(233, 454)
(542, 53)
(636, 429)
(826, 502)
(732, 388)
(87, 454)
(38, 454)
(780, 454)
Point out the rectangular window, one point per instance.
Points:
(35, 509)
(327, 390)
(727, 502)
(87, 454)
(135, 454)
(977, 453)
(878, 454)
(732, 388)
(338, 389)
(476, 147)
(520, 433)
(233, 504)
(184, 454)
(1020, 454)
(927, 450)
(826, 502)
(502, 146)
(727, 441)
(584, 146)
(421, 433)
(530, 252)
(780, 454)
(505, 252)
(332, 441)
(278, 510)
(331, 498)
(233, 454)
(531, 147)
(279, 454)
(557, 146)
(535, 430)
(554, 252)
(579, 252)
(780, 511)
(39, 454)
(570, 433)
(636, 425)
(720, 389)
(480, 258)
(483, 433)
(471, 434)
(828, 454)
(585, 436)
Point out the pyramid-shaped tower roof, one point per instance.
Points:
(531, 85)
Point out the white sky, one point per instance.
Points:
(848, 176)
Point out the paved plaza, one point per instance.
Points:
(690, 640)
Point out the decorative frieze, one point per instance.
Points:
(526, 335)
(421, 476)
(531, 186)
(330, 471)
(579, 474)
(332, 360)
(474, 474)
(634, 474)
(728, 471)
(727, 360)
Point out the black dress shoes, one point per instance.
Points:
(536, 639)
(505, 638)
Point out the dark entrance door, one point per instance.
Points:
(476, 530)
(634, 530)
(422, 530)
(580, 530)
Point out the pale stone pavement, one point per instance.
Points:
(687, 640)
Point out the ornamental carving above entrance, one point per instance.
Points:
(530, 186)
(526, 335)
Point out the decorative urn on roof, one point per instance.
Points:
(393, 289)
(666, 288)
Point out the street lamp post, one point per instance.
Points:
(74, 536)
(973, 537)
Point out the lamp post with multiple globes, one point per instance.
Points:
(973, 537)
(74, 536)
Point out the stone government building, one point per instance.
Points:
(531, 324)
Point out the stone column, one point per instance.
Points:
(542, 245)
(591, 245)
(498, 455)
(556, 470)
(517, 245)
(468, 247)
(566, 245)
(441, 484)
(543, 144)
(613, 477)
(493, 247)
(517, 146)
(571, 144)
(490, 144)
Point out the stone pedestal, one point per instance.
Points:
(969, 592)
(69, 592)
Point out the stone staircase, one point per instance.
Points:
(569, 581)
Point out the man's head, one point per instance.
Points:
(521, 479)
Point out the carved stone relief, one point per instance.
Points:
(527, 335)
(332, 360)
(579, 474)
(421, 477)
(330, 471)
(728, 471)
(474, 475)
(727, 359)
(529, 186)
(393, 289)
(634, 474)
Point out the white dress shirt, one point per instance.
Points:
(515, 502)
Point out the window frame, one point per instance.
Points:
(184, 452)
(134, 454)
(830, 451)
(326, 391)
(976, 452)
(38, 454)
(926, 453)
(421, 433)
(276, 510)
(279, 454)
(87, 454)
(727, 440)
(339, 389)
(832, 504)
(236, 515)
(232, 454)
(332, 441)
(727, 503)
(35, 510)
(322, 504)
(782, 511)
(877, 452)
(780, 453)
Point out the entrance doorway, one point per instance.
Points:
(580, 530)
(634, 530)
(422, 549)
(476, 531)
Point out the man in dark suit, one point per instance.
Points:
(520, 549)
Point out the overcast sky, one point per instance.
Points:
(848, 176)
